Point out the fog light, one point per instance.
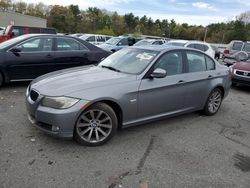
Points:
(55, 128)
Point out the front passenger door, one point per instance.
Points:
(163, 96)
(34, 59)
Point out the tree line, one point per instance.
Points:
(70, 19)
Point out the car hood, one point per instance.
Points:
(69, 81)
(242, 66)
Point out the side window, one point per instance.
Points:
(190, 46)
(171, 62)
(237, 46)
(68, 44)
(37, 45)
(210, 64)
(123, 42)
(91, 39)
(246, 47)
(17, 31)
(100, 39)
(196, 61)
(199, 47)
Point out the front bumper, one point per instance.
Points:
(56, 122)
(241, 80)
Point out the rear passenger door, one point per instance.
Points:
(70, 53)
(200, 74)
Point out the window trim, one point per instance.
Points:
(56, 38)
(33, 38)
(151, 69)
(202, 53)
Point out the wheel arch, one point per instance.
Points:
(220, 87)
(115, 106)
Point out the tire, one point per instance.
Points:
(213, 102)
(96, 125)
(1, 79)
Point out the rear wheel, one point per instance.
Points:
(96, 125)
(213, 102)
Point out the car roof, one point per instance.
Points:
(179, 41)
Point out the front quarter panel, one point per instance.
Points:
(123, 94)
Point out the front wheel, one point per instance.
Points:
(96, 125)
(213, 102)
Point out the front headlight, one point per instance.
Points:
(59, 102)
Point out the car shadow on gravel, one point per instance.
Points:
(245, 89)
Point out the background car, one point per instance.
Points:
(95, 39)
(241, 72)
(29, 56)
(116, 43)
(132, 86)
(145, 42)
(203, 46)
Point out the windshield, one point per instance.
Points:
(113, 41)
(129, 60)
(143, 43)
(11, 41)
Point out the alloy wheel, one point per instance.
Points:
(214, 102)
(94, 126)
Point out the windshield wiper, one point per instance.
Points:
(110, 68)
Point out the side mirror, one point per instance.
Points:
(158, 73)
(241, 56)
(119, 44)
(16, 50)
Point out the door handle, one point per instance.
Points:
(210, 76)
(49, 55)
(181, 81)
(85, 55)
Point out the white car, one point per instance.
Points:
(199, 45)
(95, 39)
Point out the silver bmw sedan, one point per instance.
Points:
(132, 86)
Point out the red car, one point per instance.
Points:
(241, 73)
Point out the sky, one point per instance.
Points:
(193, 12)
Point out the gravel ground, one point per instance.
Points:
(186, 151)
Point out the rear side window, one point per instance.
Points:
(237, 46)
(210, 63)
(68, 44)
(196, 61)
(246, 47)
